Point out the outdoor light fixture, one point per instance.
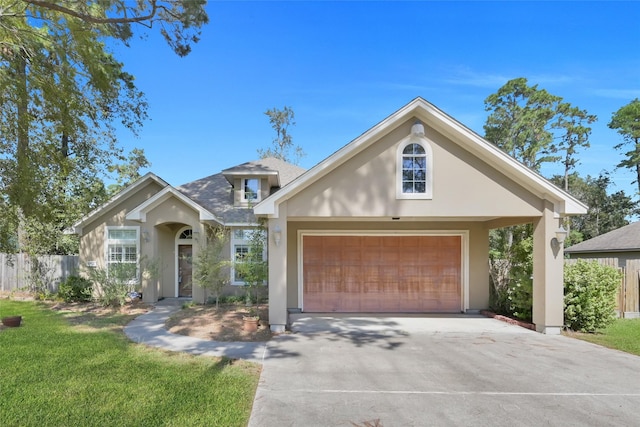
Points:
(417, 128)
(145, 235)
(277, 235)
(561, 235)
(195, 235)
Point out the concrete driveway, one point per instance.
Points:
(443, 370)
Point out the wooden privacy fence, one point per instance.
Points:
(20, 271)
(629, 291)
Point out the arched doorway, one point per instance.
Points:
(184, 262)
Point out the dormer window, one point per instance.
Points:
(414, 169)
(251, 190)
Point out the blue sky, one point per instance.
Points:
(345, 66)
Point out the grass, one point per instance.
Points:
(623, 334)
(55, 374)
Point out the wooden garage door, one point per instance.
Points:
(382, 273)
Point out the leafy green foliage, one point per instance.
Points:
(520, 121)
(607, 210)
(75, 289)
(254, 267)
(590, 295)
(54, 374)
(627, 122)
(511, 268)
(62, 94)
(113, 284)
(211, 265)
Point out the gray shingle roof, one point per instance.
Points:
(286, 171)
(215, 193)
(624, 239)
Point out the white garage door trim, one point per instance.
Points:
(464, 235)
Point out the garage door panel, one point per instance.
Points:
(382, 273)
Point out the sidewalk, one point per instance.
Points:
(149, 329)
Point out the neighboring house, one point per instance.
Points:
(618, 248)
(398, 221)
(152, 222)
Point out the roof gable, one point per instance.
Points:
(140, 212)
(119, 197)
(430, 115)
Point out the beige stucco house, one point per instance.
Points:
(158, 229)
(395, 221)
(398, 220)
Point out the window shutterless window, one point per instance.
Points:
(251, 189)
(122, 253)
(414, 167)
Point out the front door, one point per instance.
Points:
(185, 258)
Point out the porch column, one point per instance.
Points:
(548, 282)
(148, 243)
(278, 271)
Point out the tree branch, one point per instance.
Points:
(93, 19)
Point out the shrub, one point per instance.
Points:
(590, 295)
(75, 289)
(113, 285)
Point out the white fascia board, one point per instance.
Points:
(122, 195)
(140, 212)
(564, 203)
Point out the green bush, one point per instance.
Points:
(590, 295)
(113, 285)
(75, 289)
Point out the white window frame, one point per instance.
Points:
(245, 194)
(109, 242)
(426, 145)
(241, 240)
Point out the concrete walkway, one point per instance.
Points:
(149, 329)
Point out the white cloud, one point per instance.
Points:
(618, 93)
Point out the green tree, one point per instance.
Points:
(253, 268)
(520, 121)
(573, 123)
(282, 144)
(128, 171)
(62, 95)
(627, 122)
(532, 126)
(607, 210)
(211, 266)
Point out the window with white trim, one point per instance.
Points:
(250, 190)
(414, 169)
(122, 253)
(241, 243)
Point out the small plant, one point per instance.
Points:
(114, 284)
(590, 295)
(211, 265)
(75, 289)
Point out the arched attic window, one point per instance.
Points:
(414, 166)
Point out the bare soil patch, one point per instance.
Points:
(204, 322)
(222, 324)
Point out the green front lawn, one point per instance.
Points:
(623, 334)
(56, 374)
